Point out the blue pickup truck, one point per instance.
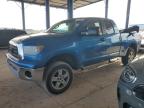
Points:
(51, 57)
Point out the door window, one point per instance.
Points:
(64, 27)
(115, 27)
(108, 28)
(94, 28)
(61, 28)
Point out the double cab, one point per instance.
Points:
(51, 57)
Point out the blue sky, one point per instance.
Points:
(10, 16)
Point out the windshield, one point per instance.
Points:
(64, 27)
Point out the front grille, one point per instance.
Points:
(13, 50)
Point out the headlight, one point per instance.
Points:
(129, 75)
(20, 50)
(32, 50)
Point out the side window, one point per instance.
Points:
(61, 28)
(94, 28)
(98, 28)
(115, 27)
(108, 28)
(64, 27)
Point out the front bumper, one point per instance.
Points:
(126, 96)
(26, 73)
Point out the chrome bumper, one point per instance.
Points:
(26, 74)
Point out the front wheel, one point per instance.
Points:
(59, 77)
(131, 53)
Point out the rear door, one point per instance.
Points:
(111, 33)
(93, 45)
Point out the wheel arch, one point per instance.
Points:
(71, 59)
(134, 46)
(68, 58)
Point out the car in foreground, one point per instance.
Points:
(7, 34)
(51, 57)
(130, 89)
(142, 40)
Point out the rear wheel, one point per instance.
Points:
(59, 77)
(131, 53)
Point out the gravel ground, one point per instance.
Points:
(94, 87)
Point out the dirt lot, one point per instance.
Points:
(94, 87)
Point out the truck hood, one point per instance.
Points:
(37, 36)
(47, 39)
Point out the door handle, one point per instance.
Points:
(102, 39)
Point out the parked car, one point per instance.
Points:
(69, 45)
(140, 35)
(134, 31)
(7, 34)
(131, 86)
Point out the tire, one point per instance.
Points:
(58, 77)
(131, 53)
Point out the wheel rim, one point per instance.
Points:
(60, 79)
(131, 56)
